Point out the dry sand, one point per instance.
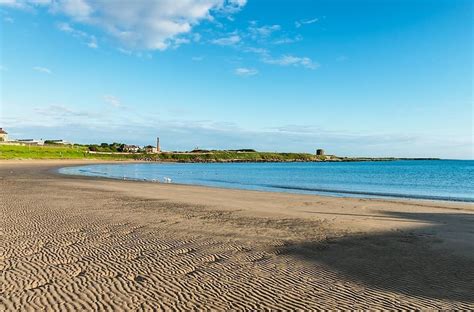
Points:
(93, 244)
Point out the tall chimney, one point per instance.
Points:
(158, 145)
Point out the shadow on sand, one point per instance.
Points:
(414, 262)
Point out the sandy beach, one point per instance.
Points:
(81, 243)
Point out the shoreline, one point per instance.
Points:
(97, 243)
(289, 189)
(81, 152)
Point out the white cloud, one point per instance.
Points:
(260, 51)
(196, 37)
(7, 2)
(300, 23)
(263, 31)
(112, 100)
(79, 10)
(287, 40)
(238, 3)
(180, 41)
(140, 24)
(125, 51)
(24, 4)
(60, 112)
(233, 6)
(246, 72)
(88, 126)
(270, 34)
(42, 70)
(285, 60)
(93, 44)
(89, 40)
(39, 2)
(227, 41)
(289, 60)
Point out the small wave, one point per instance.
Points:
(346, 192)
(93, 172)
(265, 186)
(365, 193)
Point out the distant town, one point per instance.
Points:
(62, 149)
(94, 148)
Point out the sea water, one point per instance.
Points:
(450, 180)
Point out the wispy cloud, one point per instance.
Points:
(42, 70)
(24, 4)
(288, 40)
(131, 127)
(92, 44)
(290, 60)
(230, 6)
(112, 100)
(197, 58)
(284, 60)
(263, 31)
(227, 41)
(89, 40)
(260, 51)
(246, 72)
(60, 112)
(300, 23)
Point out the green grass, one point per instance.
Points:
(50, 152)
(81, 152)
(235, 156)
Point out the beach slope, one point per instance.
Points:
(95, 244)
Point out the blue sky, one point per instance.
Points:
(358, 78)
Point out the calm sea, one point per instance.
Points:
(451, 180)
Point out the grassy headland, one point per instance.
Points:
(84, 152)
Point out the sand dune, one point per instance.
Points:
(75, 243)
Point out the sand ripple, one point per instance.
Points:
(72, 248)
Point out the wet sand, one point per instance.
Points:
(83, 243)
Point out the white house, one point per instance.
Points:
(3, 135)
(131, 148)
(150, 149)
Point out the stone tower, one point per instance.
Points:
(158, 145)
(320, 152)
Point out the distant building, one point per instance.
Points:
(131, 148)
(3, 135)
(158, 149)
(30, 141)
(63, 142)
(320, 152)
(149, 149)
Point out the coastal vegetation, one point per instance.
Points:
(54, 152)
(114, 152)
(111, 152)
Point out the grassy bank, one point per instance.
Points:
(229, 156)
(51, 152)
(82, 152)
